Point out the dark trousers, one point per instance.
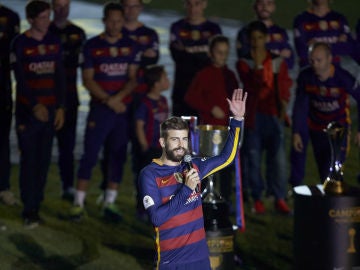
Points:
(35, 142)
(322, 154)
(5, 125)
(66, 143)
(105, 129)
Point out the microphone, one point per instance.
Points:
(189, 166)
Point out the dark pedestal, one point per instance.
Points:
(326, 230)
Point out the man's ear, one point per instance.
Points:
(162, 142)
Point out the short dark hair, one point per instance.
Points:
(256, 26)
(217, 39)
(35, 7)
(109, 6)
(321, 44)
(152, 74)
(172, 123)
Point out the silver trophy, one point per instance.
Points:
(334, 182)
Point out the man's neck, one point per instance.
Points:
(268, 22)
(326, 75)
(36, 34)
(132, 25)
(113, 39)
(196, 21)
(154, 94)
(168, 162)
(60, 23)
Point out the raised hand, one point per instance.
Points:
(237, 103)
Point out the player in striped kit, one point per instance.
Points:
(37, 62)
(322, 24)
(109, 73)
(189, 47)
(170, 196)
(278, 40)
(72, 39)
(322, 96)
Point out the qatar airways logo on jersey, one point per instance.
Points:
(192, 198)
(326, 106)
(326, 39)
(114, 69)
(45, 67)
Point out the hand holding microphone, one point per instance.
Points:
(192, 177)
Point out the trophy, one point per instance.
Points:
(334, 182)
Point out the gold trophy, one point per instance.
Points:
(334, 182)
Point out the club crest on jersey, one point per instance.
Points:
(179, 177)
(334, 24)
(74, 37)
(277, 37)
(114, 51)
(195, 34)
(41, 49)
(148, 201)
(143, 39)
(323, 25)
(323, 90)
(125, 51)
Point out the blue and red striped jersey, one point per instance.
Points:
(147, 38)
(175, 210)
(110, 61)
(318, 102)
(153, 113)
(278, 40)
(189, 47)
(72, 39)
(333, 28)
(38, 70)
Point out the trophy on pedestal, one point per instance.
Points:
(334, 182)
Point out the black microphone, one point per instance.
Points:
(189, 166)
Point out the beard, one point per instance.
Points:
(170, 153)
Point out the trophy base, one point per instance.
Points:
(332, 187)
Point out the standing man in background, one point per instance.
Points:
(36, 57)
(317, 24)
(189, 47)
(322, 96)
(9, 28)
(146, 37)
(110, 66)
(72, 39)
(322, 24)
(278, 40)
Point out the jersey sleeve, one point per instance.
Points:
(158, 211)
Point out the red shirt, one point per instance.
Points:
(260, 85)
(210, 87)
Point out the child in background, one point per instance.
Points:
(207, 94)
(212, 85)
(153, 110)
